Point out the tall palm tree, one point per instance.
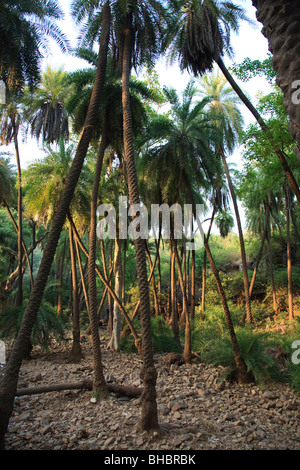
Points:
(25, 27)
(200, 36)
(223, 107)
(280, 21)
(9, 382)
(139, 42)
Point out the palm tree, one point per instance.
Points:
(283, 38)
(223, 107)
(25, 27)
(45, 110)
(200, 36)
(9, 382)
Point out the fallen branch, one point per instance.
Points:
(124, 390)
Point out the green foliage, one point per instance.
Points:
(48, 324)
(254, 348)
(162, 338)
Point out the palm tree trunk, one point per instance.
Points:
(19, 298)
(60, 280)
(99, 381)
(289, 254)
(149, 416)
(187, 353)
(241, 238)
(242, 375)
(10, 379)
(116, 330)
(257, 261)
(204, 267)
(288, 172)
(76, 354)
(270, 256)
(281, 27)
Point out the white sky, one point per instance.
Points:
(249, 43)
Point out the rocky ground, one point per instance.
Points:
(196, 410)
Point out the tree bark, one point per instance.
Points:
(19, 298)
(125, 390)
(10, 379)
(289, 254)
(241, 238)
(76, 353)
(114, 342)
(149, 415)
(257, 261)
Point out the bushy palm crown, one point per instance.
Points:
(149, 20)
(223, 107)
(200, 33)
(25, 27)
(181, 153)
(45, 110)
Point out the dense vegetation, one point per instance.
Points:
(111, 130)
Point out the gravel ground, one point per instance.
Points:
(196, 410)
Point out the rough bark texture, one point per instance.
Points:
(241, 237)
(99, 381)
(10, 380)
(281, 26)
(149, 415)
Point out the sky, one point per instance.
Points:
(248, 43)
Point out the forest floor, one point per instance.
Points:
(196, 410)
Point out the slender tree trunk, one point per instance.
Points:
(116, 330)
(204, 267)
(149, 416)
(187, 353)
(193, 285)
(76, 353)
(173, 296)
(270, 256)
(241, 238)
(10, 379)
(282, 157)
(242, 374)
(23, 244)
(60, 280)
(82, 277)
(289, 254)
(99, 380)
(257, 261)
(156, 311)
(19, 298)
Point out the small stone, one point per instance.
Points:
(177, 415)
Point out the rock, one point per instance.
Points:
(163, 409)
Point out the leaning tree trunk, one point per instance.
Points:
(10, 379)
(19, 298)
(241, 238)
(75, 354)
(242, 374)
(280, 154)
(114, 342)
(204, 267)
(149, 415)
(260, 252)
(99, 380)
(289, 253)
(281, 27)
